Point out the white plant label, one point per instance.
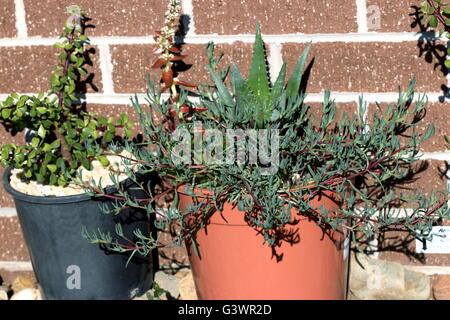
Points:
(439, 244)
(346, 247)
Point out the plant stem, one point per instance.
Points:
(65, 153)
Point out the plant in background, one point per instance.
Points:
(437, 14)
(169, 55)
(358, 161)
(61, 128)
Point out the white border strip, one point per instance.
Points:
(16, 266)
(8, 212)
(339, 97)
(188, 9)
(21, 22)
(106, 68)
(385, 37)
(361, 16)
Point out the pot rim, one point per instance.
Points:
(54, 199)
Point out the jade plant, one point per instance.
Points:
(61, 127)
(436, 13)
(288, 152)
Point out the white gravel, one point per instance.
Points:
(116, 166)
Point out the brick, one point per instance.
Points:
(6, 201)
(429, 176)
(8, 276)
(7, 19)
(132, 64)
(394, 15)
(368, 67)
(28, 69)
(426, 176)
(286, 16)
(5, 138)
(349, 107)
(109, 17)
(12, 244)
(433, 115)
(112, 110)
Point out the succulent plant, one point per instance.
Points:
(313, 153)
(61, 127)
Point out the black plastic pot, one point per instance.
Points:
(66, 265)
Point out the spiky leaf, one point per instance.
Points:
(295, 79)
(258, 77)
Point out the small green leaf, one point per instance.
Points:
(61, 181)
(124, 118)
(102, 121)
(279, 84)
(222, 89)
(82, 71)
(5, 153)
(53, 179)
(73, 58)
(52, 168)
(41, 110)
(28, 174)
(86, 163)
(35, 142)
(295, 79)
(103, 160)
(40, 177)
(6, 113)
(433, 22)
(108, 137)
(46, 147)
(54, 81)
(41, 131)
(55, 144)
(258, 78)
(128, 132)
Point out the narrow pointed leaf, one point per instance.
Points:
(279, 84)
(258, 78)
(240, 86)
(222, 89)
(295, 79)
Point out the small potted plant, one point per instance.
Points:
(267, 194)
(46, 177)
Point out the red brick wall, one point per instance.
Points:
(353, 53)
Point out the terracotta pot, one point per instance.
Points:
(309, 262)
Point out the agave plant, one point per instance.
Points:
(257, 99)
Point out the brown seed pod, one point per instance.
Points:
(167, 77)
